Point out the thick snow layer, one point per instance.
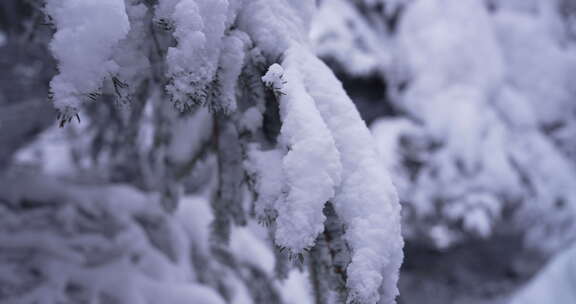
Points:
(316, 110)
(193, 63)
(87, 32)
(366, 194)
(323, 153)
(311, 165)
(322, 132)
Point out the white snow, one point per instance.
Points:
(193, 63)
(366, 194)
(324, 151)
(310, 166)
(87, 32)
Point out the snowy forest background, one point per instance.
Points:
(204, 151)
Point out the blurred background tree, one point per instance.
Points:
(473, 107)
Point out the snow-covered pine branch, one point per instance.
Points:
(84, 41)
(278, 119)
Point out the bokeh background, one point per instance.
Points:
(473, 103)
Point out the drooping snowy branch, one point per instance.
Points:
(311, 166)
(278, 114)
(361, 203)
(366, 195)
